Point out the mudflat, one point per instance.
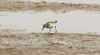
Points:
(49, 44)
(43, 6)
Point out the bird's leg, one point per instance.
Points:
(55, 30)
(42, 28)
(49, 30)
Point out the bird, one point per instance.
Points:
(49, 25)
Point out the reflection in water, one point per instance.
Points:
(74, 21)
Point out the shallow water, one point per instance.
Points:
(73, 21)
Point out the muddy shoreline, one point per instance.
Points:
(39, 6)
(49, 44)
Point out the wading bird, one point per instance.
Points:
(49, 25)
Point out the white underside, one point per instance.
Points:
(52, 25)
